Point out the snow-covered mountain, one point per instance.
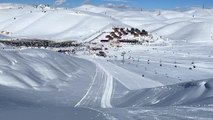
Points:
(81, 22)
(169, 76)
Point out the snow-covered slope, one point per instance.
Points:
(3, 37)
(82, 22)
(193, 31)
(190, 93)
(41, 70)
(54, 24)
(13, 6)
(190, 25)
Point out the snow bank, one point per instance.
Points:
(52, 114)
(190, 93)
(3, 37)
(38, 69)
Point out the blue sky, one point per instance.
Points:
(146, 4)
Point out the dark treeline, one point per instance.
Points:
(39, 43)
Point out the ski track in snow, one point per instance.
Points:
(100, 91)
(105, 101)
(88, 91)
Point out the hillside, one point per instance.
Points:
(78, 23)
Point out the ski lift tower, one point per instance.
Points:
(123, 55)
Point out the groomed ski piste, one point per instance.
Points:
(169, 78)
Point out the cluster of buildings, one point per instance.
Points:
(5, 32)
(123, 35)
(116, 37)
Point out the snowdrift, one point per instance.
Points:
(39, 69)
(36, 78)
(4, 37)
(198, 93)
(52, 114)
